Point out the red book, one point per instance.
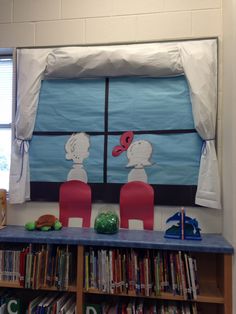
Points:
(23, 254)
(131, 272)
(183, 276)
(142, 276)
(178, 275)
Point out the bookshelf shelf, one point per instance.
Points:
(15, 284)
(208, 295)
(213, 255)
(10, 284)
(70, 289)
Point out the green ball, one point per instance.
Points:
(107, 222)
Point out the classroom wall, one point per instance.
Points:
(229, 128)
(64, 22)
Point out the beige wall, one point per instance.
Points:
(229, 128)
(65, 22)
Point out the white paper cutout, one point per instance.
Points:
(139, 154)
(77, 149)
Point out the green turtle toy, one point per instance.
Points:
(44, 223)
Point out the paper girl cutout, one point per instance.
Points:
(77, 149)
(138, 154)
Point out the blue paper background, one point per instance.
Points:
(137, 104)
(149, 104)
(175, 159)
(71, 105)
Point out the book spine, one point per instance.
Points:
(189, 287)
(173, 272)
(86, 270)
(111, 267)
(192, 277)
(183, 276)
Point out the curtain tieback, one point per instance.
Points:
(22, 148)
(204, 148)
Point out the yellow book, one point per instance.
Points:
(86, 270)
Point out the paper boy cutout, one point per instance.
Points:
(77, 149)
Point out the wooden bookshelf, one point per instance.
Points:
(213, 254)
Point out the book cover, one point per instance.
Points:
(33, 304)
(92, 309)
(13, 306)
(65, 307)
(61, 301)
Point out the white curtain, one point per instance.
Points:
(31, 64)
(200, 67)
(197, 59)
(122, 60)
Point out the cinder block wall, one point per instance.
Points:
(64, 22)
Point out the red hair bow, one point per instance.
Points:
(125, 141)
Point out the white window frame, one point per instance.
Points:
(7, 53)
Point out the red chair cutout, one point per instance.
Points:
(75, 202)
(137, 202)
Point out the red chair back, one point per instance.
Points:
(75, 200)
(137, 202)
